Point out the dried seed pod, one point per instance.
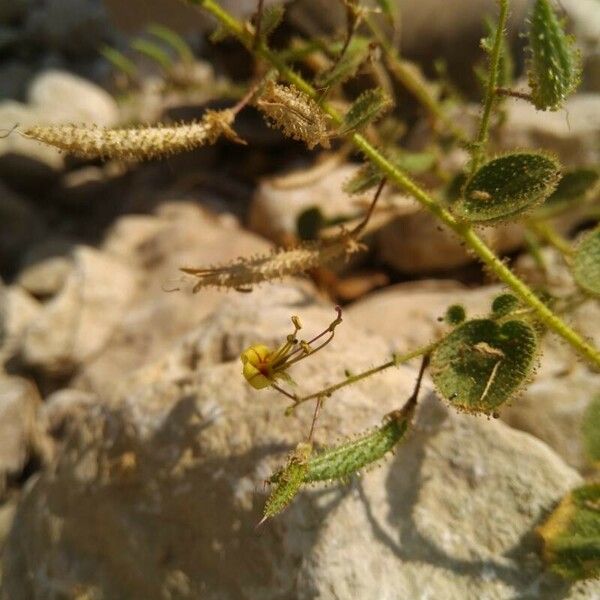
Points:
(139, 143)
(297, 115)
(283, 263)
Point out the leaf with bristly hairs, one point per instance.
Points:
(481, 364)
(586, 263)
(508, 186)
(370, 105)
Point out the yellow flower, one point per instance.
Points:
(256, 366)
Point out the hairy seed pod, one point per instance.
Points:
(139, 143)
(297, 115)
(249, 271)
(555, 64)
(289, 481)
(342, 461)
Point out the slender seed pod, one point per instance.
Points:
(289, 481)
(139, 143)
(246, 272)
(340, 462)
(555, 65)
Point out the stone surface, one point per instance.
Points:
(159, 488)
(61, 97)
(571, 133)
(179, 234)
(19, 403)
(417, 243)
(46, 277)
(77, 323)
(584, 22)
(17, 310)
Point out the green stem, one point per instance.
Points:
(552, 237)
(490, 96)
(413, 82)
(463, 230)
(396, 360)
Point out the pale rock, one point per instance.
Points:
(20, 154)
(412, 314)
(571, 133)
(279, 201)
(584, 22)
(17, 310)
(46, 277)
(157, 492)
(419, 243)
(61, 97)
(77, 323)
(19, 403)
(180, 234)
(64, 408)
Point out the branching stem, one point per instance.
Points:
(462, 229)
(490, 96)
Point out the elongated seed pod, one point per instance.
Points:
(138, 143)
(249, 271)
(289, 481)
(339, 462)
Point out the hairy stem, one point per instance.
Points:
(463, 230)
(394, 362)
(490, 96)
(414, 84)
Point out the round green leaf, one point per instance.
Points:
(481, 364)
(504, 304)
(455, 314)
(586, 265)
(508, 186)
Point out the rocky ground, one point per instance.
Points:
(133, 453)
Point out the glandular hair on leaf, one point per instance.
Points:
(135, 143)
(555, 64)
(245, 272)
(293, 112)
(369, 106)
(508, 186)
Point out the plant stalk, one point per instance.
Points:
(463, 230)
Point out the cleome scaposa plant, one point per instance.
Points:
(482, 363)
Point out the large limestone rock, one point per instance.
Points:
(157, 492)
(155, 246)
(76, 323)
(19, 430)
